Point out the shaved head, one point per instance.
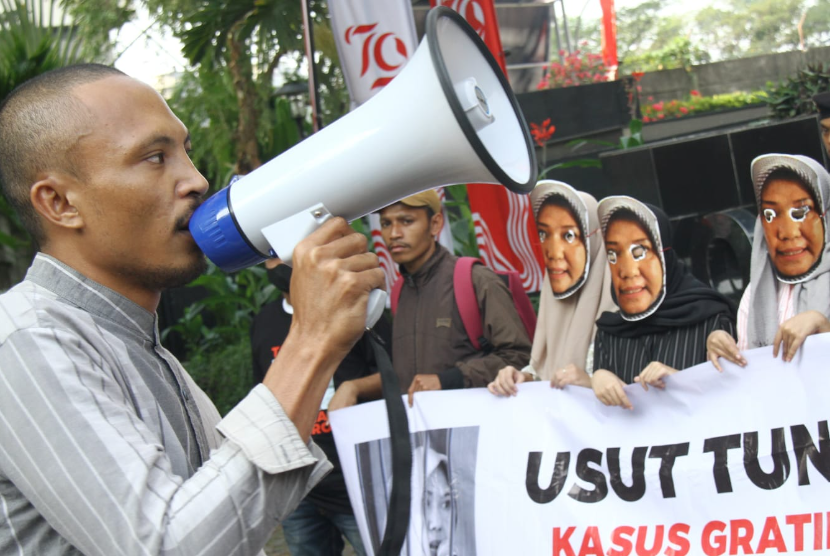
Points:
(39, 123)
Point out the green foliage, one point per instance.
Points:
(695, 103)
(99, 21)
(741, 28)
(793, 96)
(224, 372)
(654, 34)
(224, 316)
(35, 37)
(461, 221)
(679, 52)
(205, 101)
(633, 138)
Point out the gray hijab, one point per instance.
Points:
(811, 291)
(567, 322)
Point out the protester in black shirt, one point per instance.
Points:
(321, 520)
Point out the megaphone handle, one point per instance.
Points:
(377, 303)
(284, 235)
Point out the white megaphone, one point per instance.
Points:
(449, 117)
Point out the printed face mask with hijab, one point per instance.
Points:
(562, 221)
(793, 228)
(635, 256)
(636, 269)
(563, 245)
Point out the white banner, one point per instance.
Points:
(731, 463)
(374, 39)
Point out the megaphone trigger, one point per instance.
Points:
(284, 235)
(375, 307)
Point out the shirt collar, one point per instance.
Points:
(428, 269)
(76, 289)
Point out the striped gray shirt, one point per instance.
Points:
(679, 348)
(108, 447)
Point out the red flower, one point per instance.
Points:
(637, 75)
(657, 106)
(541, 133)
(694, 93)
(684, 110)
(661, 116)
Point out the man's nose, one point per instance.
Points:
(192, 182)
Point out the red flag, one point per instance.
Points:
(609, 34)
(504, 225)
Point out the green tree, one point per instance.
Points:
(248, 39)
(35, 37)
(99, 21)
(740, 28)
(650, 36)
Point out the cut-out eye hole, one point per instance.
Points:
(570, 236)
(769, 215)
(798, 214)
(638, 252)
(543, 236)
(612, 256)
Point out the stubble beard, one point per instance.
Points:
(158, 278)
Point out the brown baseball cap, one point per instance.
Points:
(428, 198)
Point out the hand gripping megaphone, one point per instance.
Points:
(449, 117)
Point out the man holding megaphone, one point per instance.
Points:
(107, 446)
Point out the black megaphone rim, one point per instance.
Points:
(455, 105)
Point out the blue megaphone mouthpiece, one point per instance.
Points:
(216, 232)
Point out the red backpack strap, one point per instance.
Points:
(396, 294)
(522, 303)
(465, 298)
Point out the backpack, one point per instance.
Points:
(465, 298)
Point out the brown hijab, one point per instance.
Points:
(566, 325)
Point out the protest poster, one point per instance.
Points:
(717, 463)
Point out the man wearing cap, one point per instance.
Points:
(430, 346)
(822, 101)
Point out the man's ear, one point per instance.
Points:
(436, 224)
(52, 199)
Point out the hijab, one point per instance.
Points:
(684, 300)
(566, 325)
(811, 291)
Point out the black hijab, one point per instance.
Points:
(688, 301)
